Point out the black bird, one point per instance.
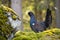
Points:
(40, 26)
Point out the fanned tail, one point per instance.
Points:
(48, 19)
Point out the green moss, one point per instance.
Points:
(52, 34)
(5, 29)
(2, 38)
(7, 9)
(25, 36)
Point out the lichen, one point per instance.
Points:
(5, 29)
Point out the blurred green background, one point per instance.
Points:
(38, 7)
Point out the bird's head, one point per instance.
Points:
(30, 14)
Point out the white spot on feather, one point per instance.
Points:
(33, 23)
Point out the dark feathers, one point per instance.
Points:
(48, 19)
(40, 26)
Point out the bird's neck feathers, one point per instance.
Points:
(32, 17)
(33, 20)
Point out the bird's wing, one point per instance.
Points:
(40, 26)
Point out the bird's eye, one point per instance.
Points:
(33, 23)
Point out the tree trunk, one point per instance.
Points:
(58, 13)
(16, 5)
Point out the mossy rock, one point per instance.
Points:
(5, 28)
(2, 38)
(52, 34)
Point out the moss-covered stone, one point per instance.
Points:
(5, 28)
(2, 38)
(52, 34)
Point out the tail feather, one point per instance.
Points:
(48, 19)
